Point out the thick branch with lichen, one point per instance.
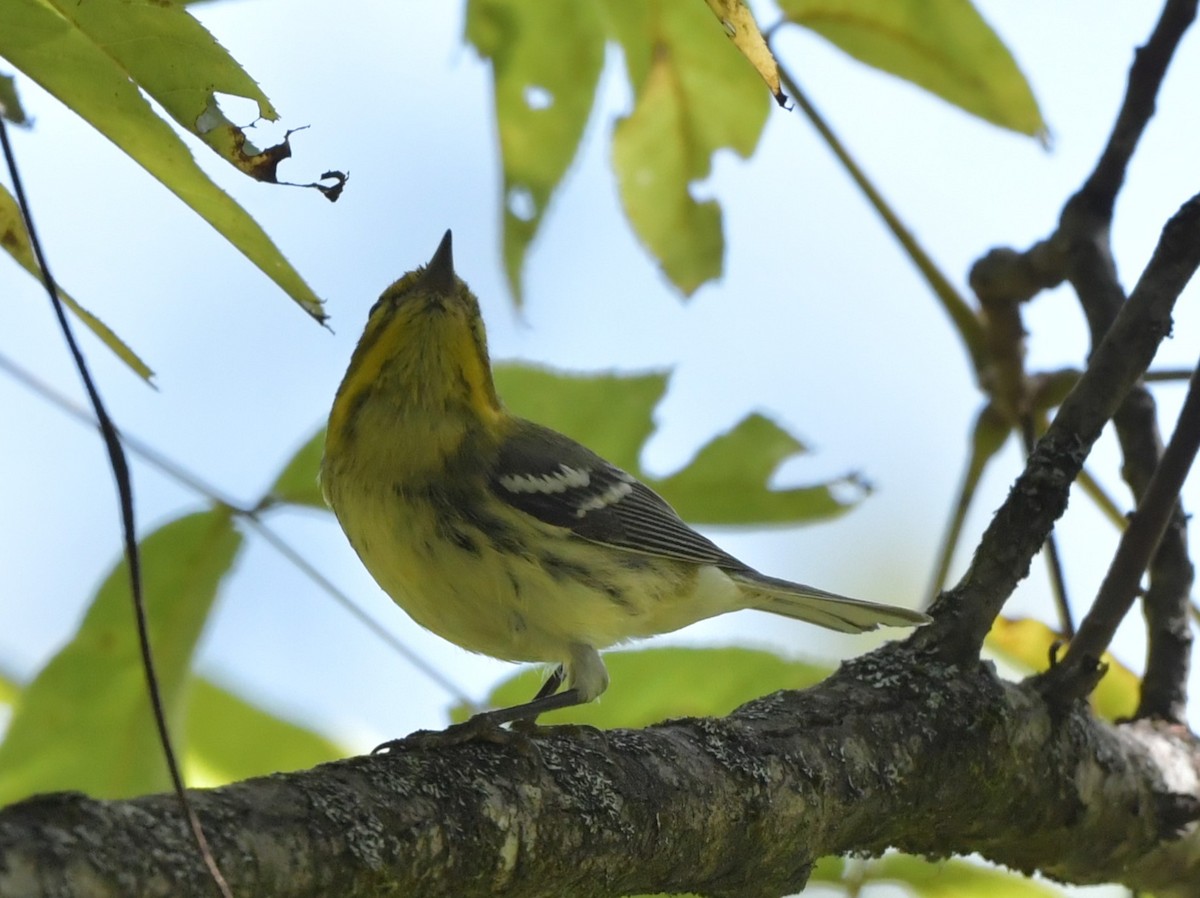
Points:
(895, 749)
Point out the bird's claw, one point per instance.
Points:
(479, 728)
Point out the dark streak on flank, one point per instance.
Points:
(462, 539)
(561, 570)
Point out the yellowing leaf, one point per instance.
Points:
(546, 57)
(1026, 643)
(944, 47)
(90, 71)
(738, 21)
(693, 96)
(14, 238)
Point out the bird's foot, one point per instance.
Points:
(529, 728)
(480, 728)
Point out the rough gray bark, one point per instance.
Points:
(896, 749)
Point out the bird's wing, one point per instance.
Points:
(558, 481)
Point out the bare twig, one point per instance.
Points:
(1013, 392)
(1080, 251)
(964, 614)
(254, 518)
(120, 468)
(1083, 236)
(1075, 676)
(1099, 192)
(960, 312)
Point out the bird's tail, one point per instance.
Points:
(825, 609)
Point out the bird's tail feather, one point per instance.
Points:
(825, 609)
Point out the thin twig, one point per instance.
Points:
(201, 487)
(1120, 587)
(120, 468)
(987, 437)
(297, 560)
(964, 614)
(968, 325)
(1099, 193)
(1167, 375)
(1084, 239)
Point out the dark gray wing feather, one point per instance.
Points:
(559, 481)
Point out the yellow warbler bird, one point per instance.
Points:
(504, 536)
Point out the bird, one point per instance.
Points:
(506, 537)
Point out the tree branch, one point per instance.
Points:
(1158, 507)
(1098, 194)
(1084, 239)
(1080, 251)
(964, 614)
(895, 749)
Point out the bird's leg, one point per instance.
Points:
(487, 726)
(552, 682)
(588, 679)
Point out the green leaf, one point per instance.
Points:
(650, 685)
(84, 722)
(14, 238)
(175, 60)
(611, 414)
(726, 483)
(298, 482)
(230, 739)
(546, 57)
(94, 80)
(695, 95)
(9, 689)
(945, 47)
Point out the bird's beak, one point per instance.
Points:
(439, 273)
